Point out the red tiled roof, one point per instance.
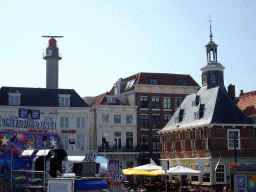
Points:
(247, 103)
(101, 100)
(162, 78)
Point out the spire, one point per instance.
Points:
(210, 28)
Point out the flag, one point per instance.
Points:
(178, 163)
(152, 162)
(201, 165)
(217, 164)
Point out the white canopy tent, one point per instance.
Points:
(180, 170)
(148, 167)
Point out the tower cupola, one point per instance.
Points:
(212, 71)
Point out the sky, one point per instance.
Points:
(105, 40)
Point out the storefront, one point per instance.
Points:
(244, 177)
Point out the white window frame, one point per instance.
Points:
(239, 142)
(155, 100)
(178, 99)
(15, 96)
(79, 123)
(65, 99)
(80, 142)
(111, 99)
(65, 142)
(116, 122)
(105, 120)
(64, 118)
(196, 115)
(194, 167)
(220, 172)
(167, 103)
(142, 100)
(48, 119)
(129, 121)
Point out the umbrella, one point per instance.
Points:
(128, 171)
(158, 172)
(138, 172)
(149, 167)
(180, 170)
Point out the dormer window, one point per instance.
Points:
(182, 82)
(64, 100)
(129, 84)
(177, 119)
(213, 79)
(14, 98)
(153, 81)
(196, 115)
(111, 99)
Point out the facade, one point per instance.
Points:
(157, 96)
(115, 129)
(209, 125)
(62, 111)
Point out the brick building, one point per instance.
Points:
(208, 124)
(157, 96)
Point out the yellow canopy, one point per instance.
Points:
(131, 171)
(158, 172)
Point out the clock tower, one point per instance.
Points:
(212, 71)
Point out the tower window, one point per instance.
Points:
(213, 79)
(204, 78)
(182, 82)
(153, 81)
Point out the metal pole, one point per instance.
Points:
(165, 182)
(11, 167)
(235, 146)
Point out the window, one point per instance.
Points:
(156, 122)
(129, 84)
(153, 81)
(204, 78)
(129, 119)
(14, 98)
(48, 119)
(64, 100)
(173, 137)
(117, 119)
(156, 142)
(129, 140)
(178, 101)
(177, 120)
(196, 115)
(64, 122)
(173, 146)
(220, 174)
(183, 136)
(144, 121)
(143, 102)
(111, 99)
(194, 178)
(192, 140)
(166, 119)
(233, 135)
(167, 103)
(155, 103)
(105, 140)
(80, 123)
(117, 140)
(203, 134)
(206, 178)
(213, 79)
(182, 145)
(182, 82)
(105, 118)
(144, 142)
(64, 142)
(80, 142)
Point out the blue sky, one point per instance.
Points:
(105, 40)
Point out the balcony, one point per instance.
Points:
(57, 55)
(114, 148)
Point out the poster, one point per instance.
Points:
(240, 181)
(251, 183)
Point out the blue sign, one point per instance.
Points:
(23, 113)
(35, 114)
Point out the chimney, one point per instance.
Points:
(232, 92)
(241, 92)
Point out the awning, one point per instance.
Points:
(43, 152)
(26, 153)
(90, 185)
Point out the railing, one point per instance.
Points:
(118, 149)
(29, 179)
(50, 55)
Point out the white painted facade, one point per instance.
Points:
(75, 118)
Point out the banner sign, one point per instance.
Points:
(24, 113)
(20, 123)
(242, 168)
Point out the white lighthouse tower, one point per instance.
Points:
(52, 63)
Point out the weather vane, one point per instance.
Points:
(210, 27)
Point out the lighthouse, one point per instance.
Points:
(52, 58)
